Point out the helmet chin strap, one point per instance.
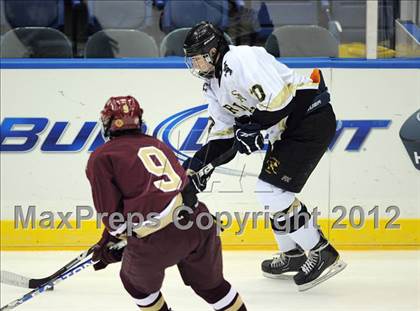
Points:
(212, 61)
(207, 75)
(218, 52)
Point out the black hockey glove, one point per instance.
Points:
(104, 254)
(198, 181)
(189, 195)
(248, 137)
(189, 198)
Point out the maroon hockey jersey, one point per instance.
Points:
(134, 173)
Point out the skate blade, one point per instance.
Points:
(335, 268)
(278, 276)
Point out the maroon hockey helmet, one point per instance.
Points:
(120, 114)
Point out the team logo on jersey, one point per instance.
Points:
(226, 69)
(272, 166)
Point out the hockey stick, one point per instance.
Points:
(216, 162)
(212, 165)
(15, 279)
(77, 267)
(46, 286)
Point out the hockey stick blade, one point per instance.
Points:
(14, 279)
(70, 271)
(17, 302)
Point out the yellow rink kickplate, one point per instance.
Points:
(405, 235)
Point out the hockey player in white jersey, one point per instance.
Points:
(249, 94)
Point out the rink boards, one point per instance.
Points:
(365, 189)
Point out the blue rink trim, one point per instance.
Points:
(178, 63)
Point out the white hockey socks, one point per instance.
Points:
(307, 236)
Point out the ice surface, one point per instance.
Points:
(386, 280)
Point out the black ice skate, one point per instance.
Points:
(290, 261)
(323, 257)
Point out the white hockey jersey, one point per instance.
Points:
(251, 79)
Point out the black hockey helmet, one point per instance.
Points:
(200, 40)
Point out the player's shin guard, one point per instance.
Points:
(276, 200)
(222, 298)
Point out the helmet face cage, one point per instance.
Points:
(197, 63)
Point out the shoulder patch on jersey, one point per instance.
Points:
(206, 86)
(226, 69)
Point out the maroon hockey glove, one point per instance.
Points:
(104, 254)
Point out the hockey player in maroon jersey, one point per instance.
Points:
(136, 173)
